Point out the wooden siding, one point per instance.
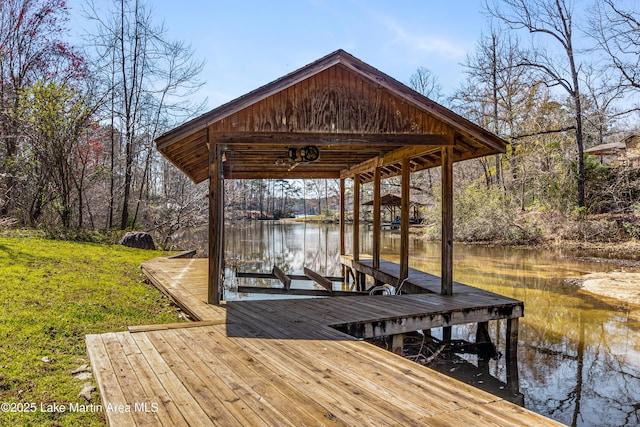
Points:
(333, 101)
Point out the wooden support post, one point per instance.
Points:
(511, 350)
(447, 221)
(482, 333)
(446, 334)
(376, 218)
(397, 344)
(361, 278)
(342, 209)
(216, 209)
(356, 217)
(404, 220)
(484, 346)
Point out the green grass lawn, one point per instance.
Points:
(53, 293)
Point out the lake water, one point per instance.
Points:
(578, 355)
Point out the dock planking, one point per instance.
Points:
(202, 376)
(280, 362)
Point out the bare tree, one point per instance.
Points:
(616, 27)
(150, 79)
(426, 83)
(603, 96)
(551, 20)
(499, 91)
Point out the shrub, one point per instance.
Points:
(484, 215)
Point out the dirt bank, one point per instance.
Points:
(619, 285)
(625, 253)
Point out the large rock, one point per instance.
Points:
(138, 239)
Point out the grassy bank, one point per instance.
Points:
(53, 293)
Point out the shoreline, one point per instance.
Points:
(621, 286)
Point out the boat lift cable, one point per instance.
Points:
(399, 290)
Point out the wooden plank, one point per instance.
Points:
(359, 407)
(158, 400)
(285, 138)
(395, 382)
(277, 401)
(234, 396)
(209, 395)
(392, 158)
(180, 325)
(179, 280)
(275, 357)
(319, 279)
(128, 382)
(184, 254)
(177, 391)
(286, 280)
(106, 377)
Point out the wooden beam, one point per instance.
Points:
(376, 218)
(251, 275)
(322, 281)
(179, 325)
(356, 218)
(404, 220)
(413, 322)
(281, 174)
(447, 222)
(216, 208)
(301, 292)
(390, 158)
(327, 138)
(342, 214)
(280, 275)
(363, 167)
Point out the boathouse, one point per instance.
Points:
(303, 361)
(337, 117)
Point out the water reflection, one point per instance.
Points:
(579, 356)
(291, 246)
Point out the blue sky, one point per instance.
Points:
(247, 44)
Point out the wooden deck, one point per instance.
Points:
(277, 363)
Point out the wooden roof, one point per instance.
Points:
(609, 149)
(357, 116)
